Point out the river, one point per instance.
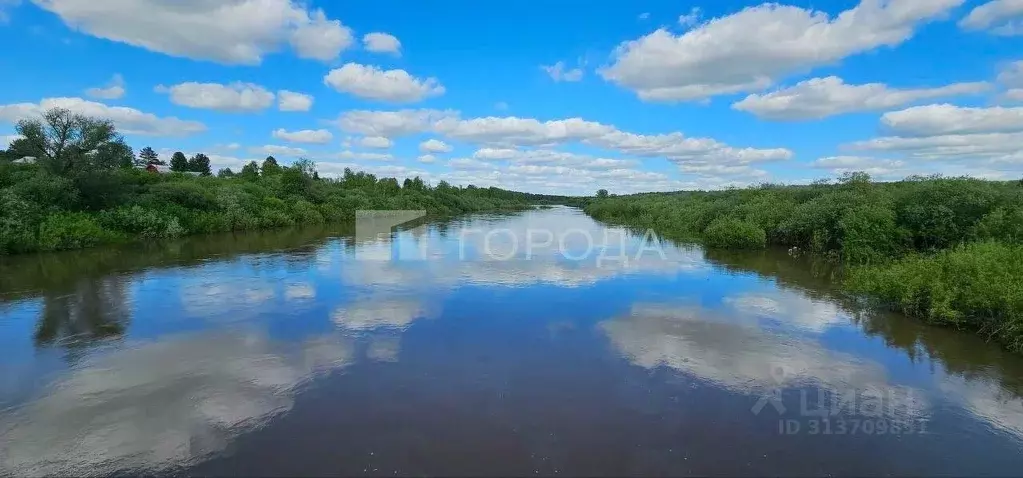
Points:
(514, 344)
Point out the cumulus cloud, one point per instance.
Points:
(356, 155)
(390, 124)
(822, 97)
(382, 43)
(942, 119)
(1000, 17)
(427, 159)
(548, 157)
(114, 89)
(237, 97)
(877, 168)
(318, 136)
(291, 101)
(223, 31)
(558, 72)
(370, 82)
(378, 142)
(1010, 77)
(320, 39)
(954, 140)
(276, 150)
(434, 146)
(511, 133)
(127, 120)
(750, 49)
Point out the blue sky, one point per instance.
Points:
(563, 97)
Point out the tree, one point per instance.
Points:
(64, 141)
(225, 173)
(602, 193)
(179, 162)
(270, 166)
(306, 166)
(200, 163)
(148, 156)
(316, 176)
(250, 172)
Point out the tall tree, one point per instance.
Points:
(225, 173)
(148, 156)
(602, 193)
(270, 166)
(64, 141)
(250, 172)
(200, 163)
(179, 162)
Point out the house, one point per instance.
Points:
(25, 160)
(158, 168)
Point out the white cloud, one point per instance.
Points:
(877, 168)
(822, 97)
(1010, 77)
(391, 124)
(224, 31)
(390, 85)
(946, 119)
(551, 158)
(1000, 17)
(427, 159)
(377, 142)
(292, 101)
(382, 43)
(355, 155)
(127, 120)
(644, 15)
(276, 150)
(237, 97)
(434, 146)
(557, 72)
(114, 89)
(318, 136)
(945, 147)
(321, 39)
(749, 50)
(691, 18)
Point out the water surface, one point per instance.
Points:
(314, 352)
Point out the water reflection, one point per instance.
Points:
(153, 406)
(449, 361)
(93, 310)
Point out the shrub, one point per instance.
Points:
(19, 221)
(977, 286)
(733, 233)
(869, 234)
(72, 230)
(143, 222)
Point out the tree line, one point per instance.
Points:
(87, 187)
(947, 250)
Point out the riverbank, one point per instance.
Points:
(944, 250)
(40, 211)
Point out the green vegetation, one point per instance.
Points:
(946, 250)
(86, 187)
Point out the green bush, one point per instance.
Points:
(142, 222)
(870, 234)
(977, 286)
(733, 233)
(72, 230)
(19, 221)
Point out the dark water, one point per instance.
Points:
(312, 352)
